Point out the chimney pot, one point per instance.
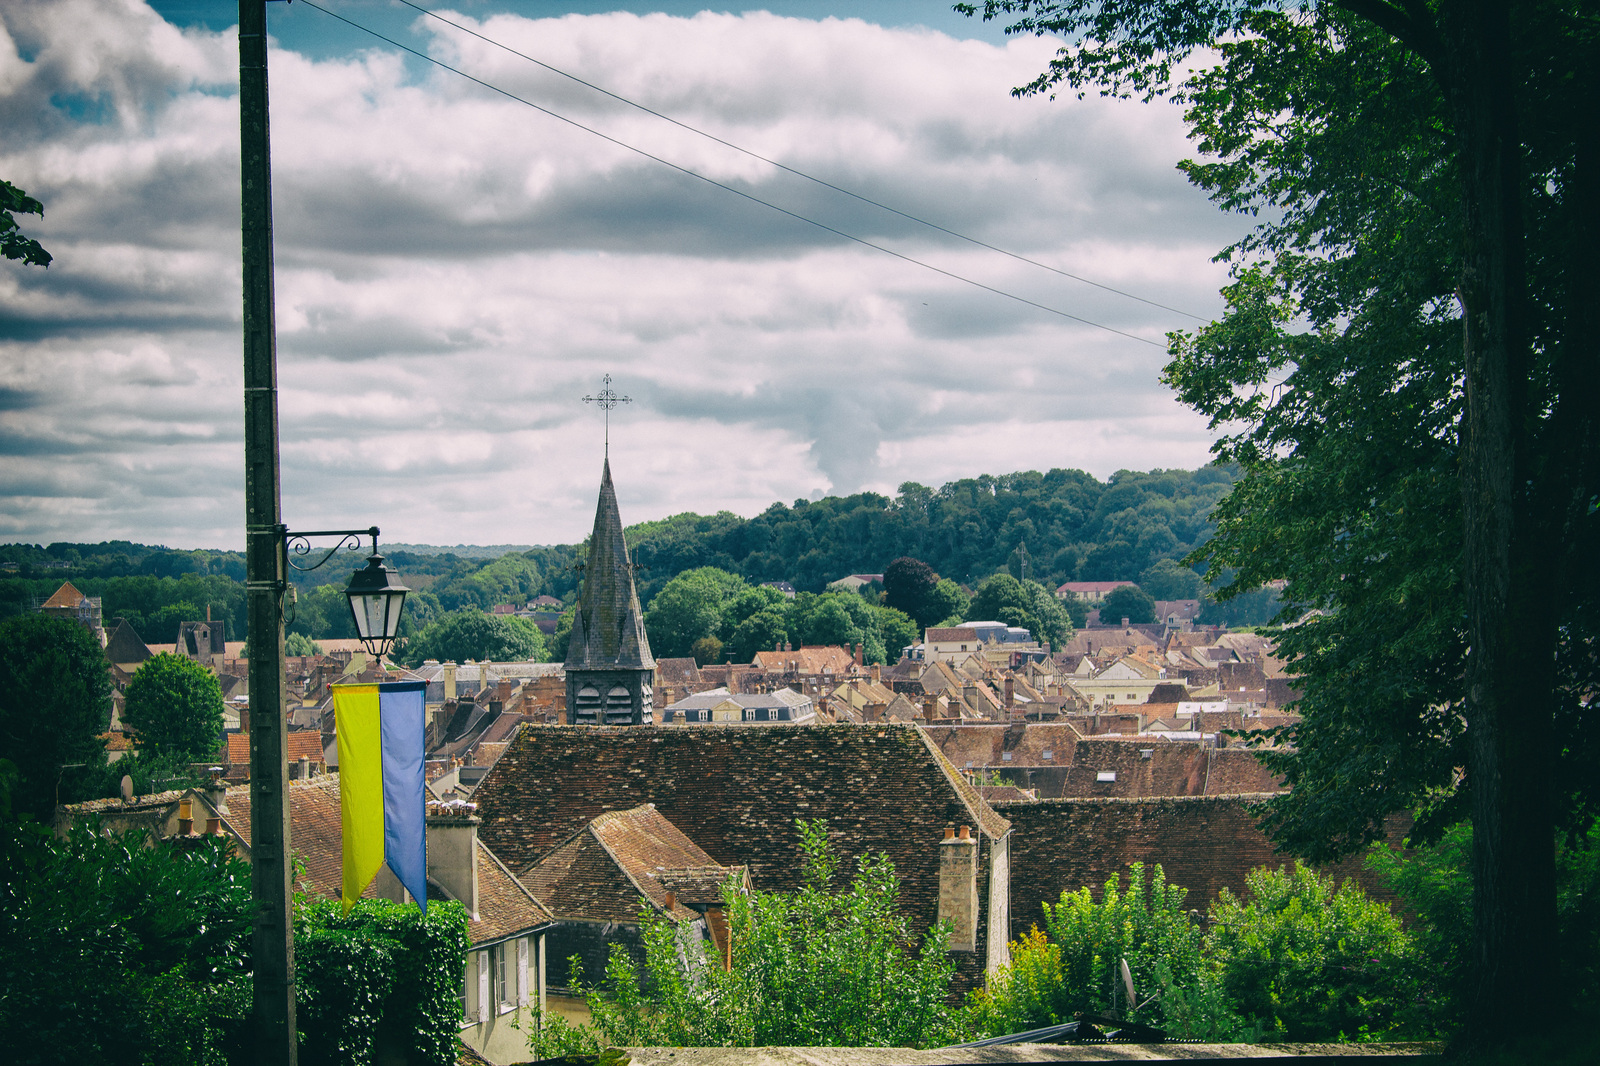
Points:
(966, 833)
(949, 832)
(672, 899)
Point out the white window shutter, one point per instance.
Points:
(483, 987)
(522, 972)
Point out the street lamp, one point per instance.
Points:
(376, 598)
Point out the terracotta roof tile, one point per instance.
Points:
(65, 596)
(604, 870)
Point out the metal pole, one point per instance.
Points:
(269, 769)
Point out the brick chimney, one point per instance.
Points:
(930, 707)
(958, 887)
(1011, 693)
(877, 674)
(859, 649)
(448, 672)
(453, 851)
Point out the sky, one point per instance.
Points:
(456, 270)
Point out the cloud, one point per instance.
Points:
(455, 271)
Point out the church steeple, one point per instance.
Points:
(609, 665)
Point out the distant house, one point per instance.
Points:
(67, 602)
(782, 586)
(1090, 591)
(780, 707)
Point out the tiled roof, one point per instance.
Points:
(301, 742)
(736, 792)
(124, 646)
(603, 870)
(1090, 588)
(608, 629)
(809, 659)
(65, 596)
(950, 633)
(505, 906)
(677, 672)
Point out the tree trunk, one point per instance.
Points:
(1510, 681)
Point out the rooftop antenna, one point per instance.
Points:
(606, 399)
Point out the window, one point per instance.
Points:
(1046, 754)
(505, 990)
(1006, 756)
(1105, 776)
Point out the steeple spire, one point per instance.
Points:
(609, 665)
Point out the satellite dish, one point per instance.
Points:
(1127, 982)
(127, 789)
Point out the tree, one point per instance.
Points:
(55, 701)
(689, 607)
(1026, 604)
(1170, 580)
(174, 705)
(300, 644)
(13, 245)
(946, 603)
(1127, 601)
(762, 631)
(707, 650)
(468, 633)
(899, 632)
(1432, 180)
(906, 585)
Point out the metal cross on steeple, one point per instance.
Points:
(606, 399)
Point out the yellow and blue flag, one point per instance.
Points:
(381, 788)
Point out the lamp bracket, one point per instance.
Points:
(298, 543)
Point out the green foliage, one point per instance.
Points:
(13, 245)
(1127, 601)
(762, 631)
(1077, 967)
(688, 608)
(175, 706)
(947, 603)
(469, 633)
(824, 966)
(1028, 604)
(1310, 962)
(380, 983)
(55, 701)
(899, 631)
(1435, 883)
(300, 644)
(1169, 579)
(119, 949)
(707, 649)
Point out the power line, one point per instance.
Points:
(798, 173)
(729, 188)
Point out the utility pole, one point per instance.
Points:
(263, 509)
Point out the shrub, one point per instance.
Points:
(1305, 960)
(120, 949)
(379, 983)
(1077, 966)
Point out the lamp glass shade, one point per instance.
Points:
(376, 599)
